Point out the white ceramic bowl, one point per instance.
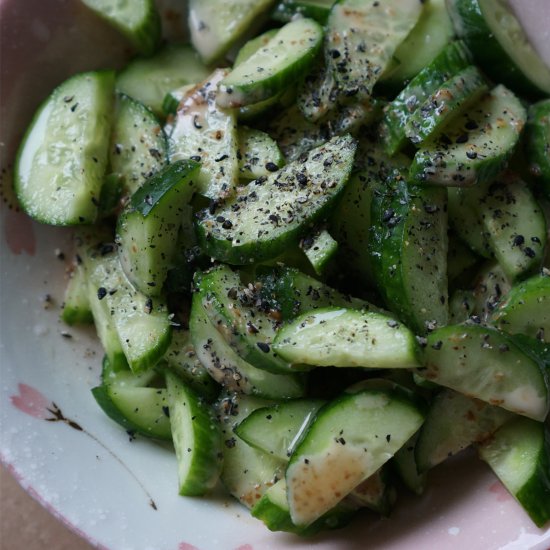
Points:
(122, 494)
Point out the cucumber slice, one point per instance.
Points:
(361, 39)
(490, 285)
(259, 154)
(231, 371)
(519, 454)
(484, 363)
(181, 358)
(76, 304)
(537, 144)
(203, 132)
(197, 438)
(433, 31)
(465, 222)
(475, 146)
(346, 338)
(408, 250)
(121, 375)
(137, 20)
(500, 45)
(351, 438)
(524, 309)
(270, 214)
(138, 147)
(287, 56)
(149, 80)
(452, 60)
(287, 10)
(147, 228)
(453, 97)
(320, 249)
(238, 311)
(142, 324)
(216, 25)
(247, 473)
(406, 465)
(507, 219)
(62, 158)
(318, 93)
(136, 409)
(277, 429)
(454, 422)
(273, 509)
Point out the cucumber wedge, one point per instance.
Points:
(138, 20)
(287, 56)
(433, 31)
(408, 251)
(320, 249)
(207, 134)
(475, 146)
(453, 97)
(147, 228)
(136, 409)
(259, 154)
(346, 338)
(349, 440)
(62, 159)
(141, 324)
(361, 39)
(453, 423)
(138, 147)
(197, 438)
(76, 303)
(453, 59)
(524, 309)
(519, 454)
(277, 429)
(500, 45)
(484, 363)
(216, 25)
(148, 80)
(270, 214)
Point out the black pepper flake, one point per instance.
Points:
(101, 292)
(529, 252)
(518, 240)
(422, 341)
(166, 411)
(230, 443)
(463, 138)
(437, 345)
(388, 438)
(271, 167)
(264, 346)
(472, 155)
(148, 306)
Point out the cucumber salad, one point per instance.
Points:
(314, 246)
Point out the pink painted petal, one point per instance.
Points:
(31, 402)
(186, 546)
(245, 547)
(19, 233)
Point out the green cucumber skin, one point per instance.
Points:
(537, 144)
(76, 303)
(286, 10)
(202, 439)
(402, 218)
(534, 494)
(324, 182)
(485, 363)
(159, 430)
(451, 98)
(462, 157)
(75, 196)
(454, 58)
(470, 26)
